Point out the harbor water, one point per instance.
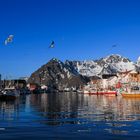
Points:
(58, 116)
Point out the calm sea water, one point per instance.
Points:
(59, 116)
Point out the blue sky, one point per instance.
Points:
(81, 29)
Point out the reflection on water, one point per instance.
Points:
(70, 115)
(93, 108)
(9, 111)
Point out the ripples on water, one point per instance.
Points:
(70, 116)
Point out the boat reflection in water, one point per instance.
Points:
(71, 115)
(57, 108)
(96, 108)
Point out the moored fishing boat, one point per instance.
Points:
(131, 95)
(9, 94)
(92, 92)
(96, 92)
(100, 92)
(133, 92)
(85, 92)
(111, 93)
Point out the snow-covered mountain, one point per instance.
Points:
(108, 65)
(75, 73)
(86, 68)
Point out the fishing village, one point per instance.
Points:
(125, 84)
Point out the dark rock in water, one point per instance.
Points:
(55, 74)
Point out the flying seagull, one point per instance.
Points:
(52, 45)
(9, 39)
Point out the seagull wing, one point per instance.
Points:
(52, 45)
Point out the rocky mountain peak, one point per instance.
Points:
(115, 58)
(55, 60)
(111, 64)
(57, 74)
